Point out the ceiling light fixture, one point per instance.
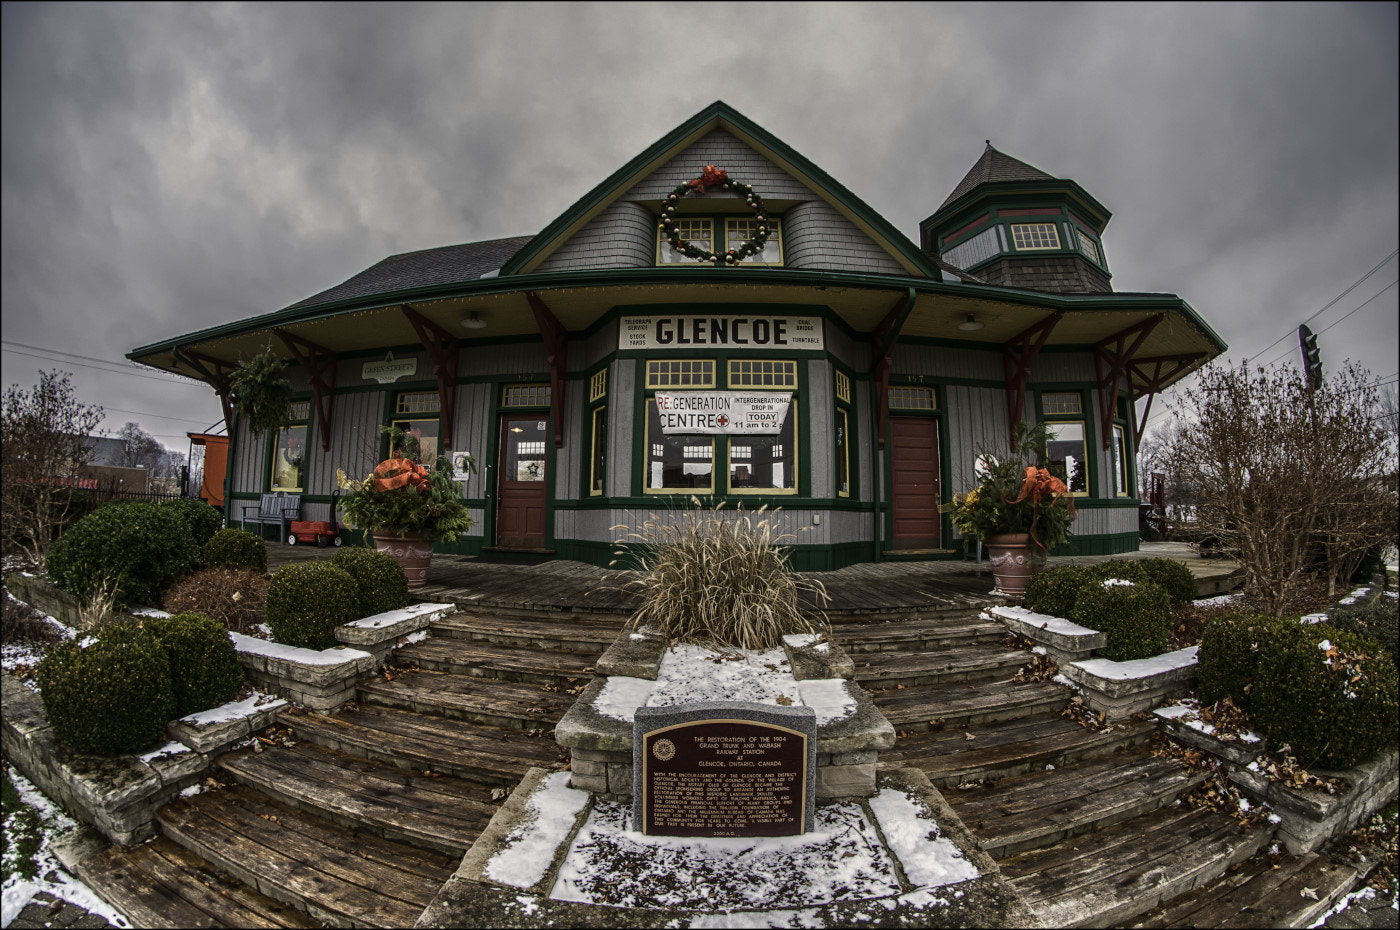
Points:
(970, 325)
(474, 321)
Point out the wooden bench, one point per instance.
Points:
(277, 509)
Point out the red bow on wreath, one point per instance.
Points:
(710, 177)
(395, 473)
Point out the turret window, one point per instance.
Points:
(1029, 237)
(1088, 247)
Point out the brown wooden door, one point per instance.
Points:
(521, 510)
(914, 495)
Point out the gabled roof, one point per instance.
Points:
(446, 264)
(721, 115)
(995, 166)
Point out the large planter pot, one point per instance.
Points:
(409, 550)
(1015, 558)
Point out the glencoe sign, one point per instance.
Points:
(731, 332)
(723, 412)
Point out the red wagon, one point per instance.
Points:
(323, 532)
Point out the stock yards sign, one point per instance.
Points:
(735, 333)
(723, 412)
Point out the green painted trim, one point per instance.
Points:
(1106, 544)
(713, 116)
(996, 192)
(800, 558)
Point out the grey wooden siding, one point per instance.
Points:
(621, 462)
(940, 362)
(471, 432)
(510, 359)
(622, 236)
(865, 458)
(980, 247)
(354, 441)
(569, 459)
(820, 427)
(1063, 366)
(976, 418)
(724, 150)
(840, 526)
(350, 372)
(1105, 521)
(816, 236)
(854, 355)
(246, 465)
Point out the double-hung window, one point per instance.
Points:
(733, 231)
(1067, 445)
(417, 414)
(289, 451)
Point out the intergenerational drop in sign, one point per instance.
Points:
(723, 412)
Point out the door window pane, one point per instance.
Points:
(525, 450)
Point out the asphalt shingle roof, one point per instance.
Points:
(995, 166)
(446, 264)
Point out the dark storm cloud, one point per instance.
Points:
(169, 168)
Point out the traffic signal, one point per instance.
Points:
(1312, 358)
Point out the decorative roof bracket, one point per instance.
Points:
(886, 337)
(442, 348)
(321, 373)
(1155, 381)
(556, 347)
(216, 372)
(1017, 355)
(1111, 365)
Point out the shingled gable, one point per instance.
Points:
(647, 177)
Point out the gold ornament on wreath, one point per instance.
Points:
(713, 177)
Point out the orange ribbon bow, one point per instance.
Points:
(1041, 486)
(710, 177)
(395, 473)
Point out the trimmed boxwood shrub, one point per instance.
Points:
(1055, 590)
(202, 519)
(137, 546)
(1329, 694)
(1228, 660)
(1378, 620)
(232, 548)
(306, 601)
(111, 698)
(1136, 616)
(1171, 576)
(379, 579)
(204, 669)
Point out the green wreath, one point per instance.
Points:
(714, 177)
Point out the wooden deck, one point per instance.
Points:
(580, 589)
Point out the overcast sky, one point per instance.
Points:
(169, 168)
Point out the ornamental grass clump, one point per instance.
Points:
(720, 580)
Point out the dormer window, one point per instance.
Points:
(1031, 237)
(700, 231)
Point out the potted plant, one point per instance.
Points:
(262, 395)
(1018, 509)
(407, 508)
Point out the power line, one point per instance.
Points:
(111, 371)
(1343, 317)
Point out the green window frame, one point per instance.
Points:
(1035, 237)
(1121, 486)
(597, 432)
(841, 438)
(418, 414)
(1067, 428)
(289, 450)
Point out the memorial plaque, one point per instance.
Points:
(724, 768)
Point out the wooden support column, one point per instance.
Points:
(443, 351)
(1110, 364)
(885, 338)
(556, 348)
(1164, 368)
(319, 364)
(215, 371)
(1017, 355)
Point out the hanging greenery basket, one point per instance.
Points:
(262, 395)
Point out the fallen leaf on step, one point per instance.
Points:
(1309, 893)
(969, 736)
(497, 793)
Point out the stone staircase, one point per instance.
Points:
(1086, 824)
(355, 819)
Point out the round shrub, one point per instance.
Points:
(1228, 660)
(202, 519)
(1055, 590)
(235, 597)
(1136, 616)
(136, 547)
(1329, 694)
(306, 601)
(378, 577)
(1378, 620)
(204, 669)
(1169, 575)
(111, 698)
(236, 549)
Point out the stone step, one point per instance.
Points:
(1043, 807)
(512, 705)
(960, 704)
(485, 755)
(1109, 877)
(570, 671)
(543, 632)
(160, 884)
(1002, 750)
(437, 812)
(915, 634)
(966, 664)
(341, 878)
(1267, 891)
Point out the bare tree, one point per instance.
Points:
(139, 448)
(45, 440)
(1284, 475)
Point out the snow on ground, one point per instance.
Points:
(390, 617)
(769, 920)
(929, 860)
(257, 701)
(1042, 621)
(50, 876)
(172, 748)
(610, 864)
(691, 673)
(529, 849)
(1217, 601)
(259, 647)
(1189, 713)
(1140, 668)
